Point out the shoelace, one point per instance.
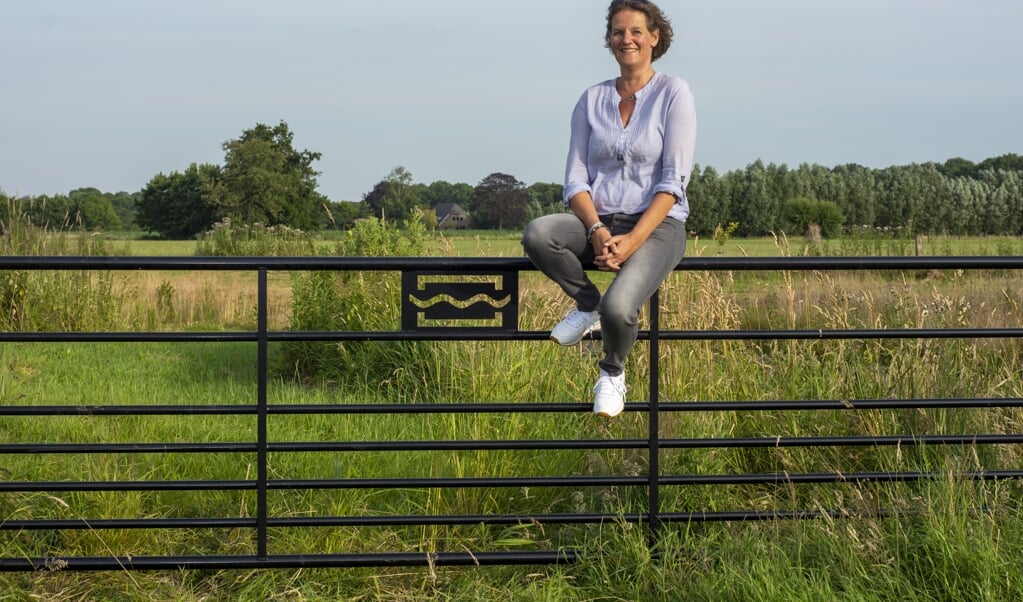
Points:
(578, 318)
(615, 383)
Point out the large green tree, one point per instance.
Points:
(709, 199)
(48, 211)
(544, 198)
(342, 215)
(394, 197)
(124, 204)
(177, 205)
(756, 208)
(859, 202)
(265, 180)
(499, 202)
(93, 209)
(442, 191)
(1006, 162)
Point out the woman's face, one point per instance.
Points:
(631, 42)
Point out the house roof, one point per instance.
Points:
(445, 209)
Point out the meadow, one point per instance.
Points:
(506, 244)
(954, 539)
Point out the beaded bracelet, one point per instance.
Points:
(594, 228)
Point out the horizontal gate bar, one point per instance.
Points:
(173, 563)
(446, 520)
(506, 482)
(476, 335)
(512, 445)
(510, 407)
(476, 264)
(836, 477)
(413, 520)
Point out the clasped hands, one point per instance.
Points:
(611, 252)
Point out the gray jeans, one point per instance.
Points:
(558, 247)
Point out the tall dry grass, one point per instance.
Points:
(956, 538)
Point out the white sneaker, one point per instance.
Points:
(609, 395)
(575, 326)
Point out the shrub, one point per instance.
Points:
(228, 239)
(53, 300)
(353, 301)
(800, 213)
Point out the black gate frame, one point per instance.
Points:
(496, 306)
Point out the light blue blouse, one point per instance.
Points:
(624, 167)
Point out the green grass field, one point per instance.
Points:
(506, 244)
(955, 539)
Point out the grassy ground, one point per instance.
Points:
(506, 244)
(955, 539)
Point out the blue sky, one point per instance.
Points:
(108, 93)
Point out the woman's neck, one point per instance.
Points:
(632, 81)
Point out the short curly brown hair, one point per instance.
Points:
(655, 21)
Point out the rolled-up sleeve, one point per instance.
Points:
(679, 143)
(577, 176)
(623, 167)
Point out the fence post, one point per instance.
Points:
(261, 415)
(653, 463)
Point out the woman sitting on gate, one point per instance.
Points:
(629, 159)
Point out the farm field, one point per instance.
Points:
(506, 244)
(955, 540)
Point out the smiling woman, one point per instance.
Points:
(629, 160)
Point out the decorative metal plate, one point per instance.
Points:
(460, 301)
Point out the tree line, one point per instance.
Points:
(957, 197)
(265, 180)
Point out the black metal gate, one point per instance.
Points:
(428, 286)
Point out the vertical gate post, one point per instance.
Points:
(261, 415)
(653, 463)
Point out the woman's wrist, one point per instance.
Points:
(593, 229)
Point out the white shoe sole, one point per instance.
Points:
(586, 335)
(609, 413)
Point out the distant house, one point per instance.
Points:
(451, 217)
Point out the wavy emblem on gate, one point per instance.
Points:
(459, 305)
